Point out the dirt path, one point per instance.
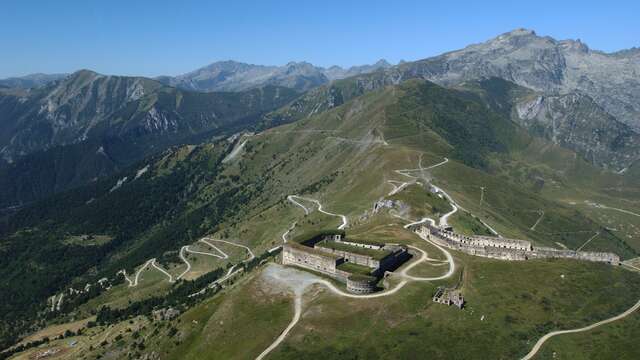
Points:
(206, 240)
(406, 172)
(137, 276)
(291, 198)
(184, 259)
(284, 235)
(335, 290)
(543, 339)
(342, 217)
(157, 267)
(588, 241)
(538, 221)
(590, 203)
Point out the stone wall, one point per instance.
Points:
(292, 255)
(361, 285)
(358, 259)
(506, 249)
(361, 245)
(326, 260)
(398, 255)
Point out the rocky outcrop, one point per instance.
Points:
(542, 64)
(90, 105)
(89, 125)
(576, 122)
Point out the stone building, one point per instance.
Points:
(449, 296)
(327, 252)
(361, 284)
(307, 257)
(506, 249)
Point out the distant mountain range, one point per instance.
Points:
(88, 125)
(530, 128)
(546, 65)
(237, 76)
(582, 99)
(231, 76)
(30, 81)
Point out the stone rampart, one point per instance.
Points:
(506, 249)
(306, 257)
(351, 257)
(361, 284)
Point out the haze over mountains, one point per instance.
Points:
(579, 98)
(110, 184)
(237, 76)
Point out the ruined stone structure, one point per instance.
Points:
(506, 249)
(314, 254)
(383, 203)
(449, 296)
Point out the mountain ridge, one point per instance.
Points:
(232, 75)
(89, 125)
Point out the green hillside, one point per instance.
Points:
(343, 157)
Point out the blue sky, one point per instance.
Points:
(171, 37)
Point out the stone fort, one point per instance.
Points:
(358, 264)
(503, 248)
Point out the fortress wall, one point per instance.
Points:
(361, 285)
(361, 245)
(341, 275)
(358, 259)
(545, 252)
(316, 262)
(507, 249)
(393, 260)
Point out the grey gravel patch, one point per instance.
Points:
(285, 278)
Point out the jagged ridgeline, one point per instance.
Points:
(88, 126)
(151, 209)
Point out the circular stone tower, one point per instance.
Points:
(361, 284)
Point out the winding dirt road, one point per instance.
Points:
(155, 265)
(543, 339)
(342, 217)
(406, 278)
(297, 312)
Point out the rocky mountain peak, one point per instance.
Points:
(382, 63)
(520, 32)
(574, 45)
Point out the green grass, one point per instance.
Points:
(354, 268)
(465, 223)
(422, 202)
(226, 326)
(518, 301)
(87, 240)
(616, 340)
(375, 254)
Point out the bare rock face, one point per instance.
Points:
(90, 105)
(86, 126)
(546, 65)
(576, 122)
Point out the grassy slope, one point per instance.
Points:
(348, 176)
(517, 300)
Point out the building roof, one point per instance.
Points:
(311, 250)
(374, 254)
